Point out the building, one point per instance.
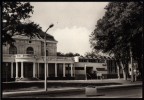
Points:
(25, 59)
(89, 67)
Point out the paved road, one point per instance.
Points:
(135, 92)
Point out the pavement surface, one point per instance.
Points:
(120, 93)
(79, 81)
(135, 88)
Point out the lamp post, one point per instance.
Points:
(45, 58)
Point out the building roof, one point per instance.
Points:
(48, 36)
(42, 34)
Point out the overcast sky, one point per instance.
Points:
(73, 22)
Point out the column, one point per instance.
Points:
(11, 69)
(74, 70)
(85, 72)
(38, 71)
(34, 75)
(22, 70)
(47, 70)
(71, 70)
(63, 69)
(16, 69)
(55, 69)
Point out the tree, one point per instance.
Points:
(70, 54)
(60, 54)
(91, 54)
(119, 32)
(14, 15)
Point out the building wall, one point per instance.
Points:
(88, 64)
(37, 45)
(52, 49)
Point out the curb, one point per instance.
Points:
(119, 86)
(40, 92)
(102, 90)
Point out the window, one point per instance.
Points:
(79, 68)
(12, 50)
(30, 41)
(30, 50)
(130, 69)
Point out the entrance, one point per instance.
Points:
(28, 70)
(89, 72)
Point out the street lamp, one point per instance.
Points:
(45, 58)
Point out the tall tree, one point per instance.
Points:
(120, 31)
(14, 15)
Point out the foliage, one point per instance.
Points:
(70, 54)
(120, 31)
(14, 15)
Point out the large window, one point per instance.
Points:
(79, 68)
(30, 50)
(12, 50)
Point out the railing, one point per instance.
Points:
(19, 55)
(25, 55)
(8, 55)
(55, 58)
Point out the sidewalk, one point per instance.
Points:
(66, 90)
(79, 81)
(42, 92)
(125, 84)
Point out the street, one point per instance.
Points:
(135, 92)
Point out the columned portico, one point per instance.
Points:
(22, 67)
(16, 69)
(11, 69)
(22, 70)
(55, 69)
(63, 69)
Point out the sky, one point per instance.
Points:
(73, 22)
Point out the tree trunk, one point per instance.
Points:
(131, 66)
(140, 68)
(123, 70)
(127, 70)
(118, 69)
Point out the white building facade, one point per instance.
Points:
(91, 68)
(25, 59)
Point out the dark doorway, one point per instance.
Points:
(89, 72)
(28, 70)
